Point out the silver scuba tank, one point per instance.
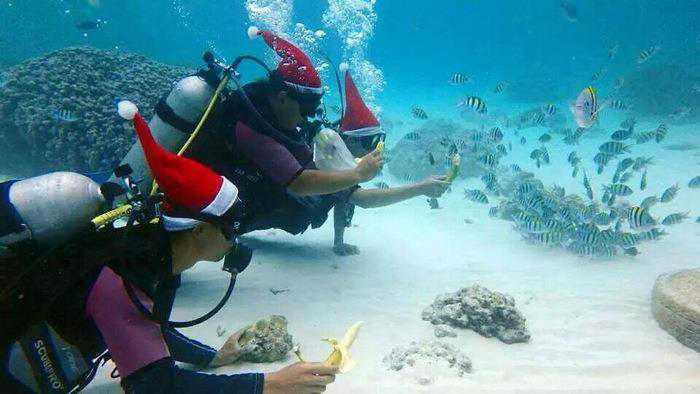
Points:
(187, 101)
(55, 206)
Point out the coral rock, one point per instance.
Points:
(486, 312)
(266, 341)
(428, 352)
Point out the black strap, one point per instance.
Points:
(10, 221)
(167, 115)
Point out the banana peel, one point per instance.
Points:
(453, 171)
(380, 146)
(340, 350)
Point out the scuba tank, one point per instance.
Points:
(175, 117)
(49, 209)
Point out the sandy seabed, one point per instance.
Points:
(591, 323)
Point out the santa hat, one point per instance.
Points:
(188, 185)
(358, 120)
(295, 68)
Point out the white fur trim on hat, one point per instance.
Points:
(228, 193)
(172, 223)
(305, 89)
(127, 109)
(253, 32)
(343, 67)
(364, 132)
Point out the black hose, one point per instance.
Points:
(337, 81)
(179, 324)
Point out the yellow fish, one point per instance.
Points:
(340, 350)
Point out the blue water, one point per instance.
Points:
(403, 53)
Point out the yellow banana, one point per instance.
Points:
(340, 350)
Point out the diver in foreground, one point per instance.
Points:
(115, 288)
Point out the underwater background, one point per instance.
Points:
(416, 62)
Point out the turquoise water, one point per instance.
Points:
(403, 54)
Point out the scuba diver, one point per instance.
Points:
(113, 288)
(361, 133)
(260, 136)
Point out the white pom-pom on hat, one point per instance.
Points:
(253, 32)
(343, 67)
(127, 109)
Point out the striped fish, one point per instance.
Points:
(476, 195)
(488, 160)
(647, 54)
(643, 181)
(619, 189)
(652, 235)
(669, 194)
(475, 104)
(621, 135)
(661, 133)
(495, 135)
(618, 105)
(639, 217)
(544, 138)
(459, 79)
(500, 87)
(587, 186)
(614, 148)
(674, 218)
(645, 137)
(412, 136)
(549, 109)
(419, 113)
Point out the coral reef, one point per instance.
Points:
(266, 341)
(57, 111)
(487, 312)
(667, 90)
(428, 352)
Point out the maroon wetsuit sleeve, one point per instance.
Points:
(275, 161)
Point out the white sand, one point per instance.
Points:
(591, 324)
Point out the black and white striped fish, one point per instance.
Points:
(459, 79)
(474, 103)
(419, 113)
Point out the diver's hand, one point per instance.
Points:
(343, 249)
(230, 351)
(434, 186)
(369, 166)
(300, 378)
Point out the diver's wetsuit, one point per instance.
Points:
(237, 145)
(93, 310)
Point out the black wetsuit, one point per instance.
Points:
(58, 288)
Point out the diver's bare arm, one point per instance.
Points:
(313, 182)
(375, 198)
(433, 186)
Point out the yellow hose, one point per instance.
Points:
(197, 129)
(112, 215)
(124, 210)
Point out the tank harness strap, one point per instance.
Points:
(10, 221)
(166, 113)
